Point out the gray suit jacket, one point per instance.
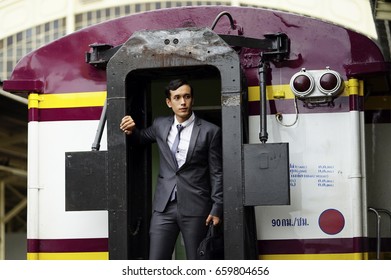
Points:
(199, 179)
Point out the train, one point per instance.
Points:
(304, 107)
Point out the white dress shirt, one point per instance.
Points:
(184, 142)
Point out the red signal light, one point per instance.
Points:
(302, 83)
(330, 83)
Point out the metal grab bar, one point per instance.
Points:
(387, 212)
(378, 237)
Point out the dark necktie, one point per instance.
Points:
(174, 148)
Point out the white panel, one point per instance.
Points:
(56, 138)
(320, 169)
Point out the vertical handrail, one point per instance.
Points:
(263, 135)
(378, 243)
(378, 235)
(99, 131)
(387, 212)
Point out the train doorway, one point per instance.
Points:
(145, 100)
(189, 51)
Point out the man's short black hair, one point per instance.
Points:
(175, 84)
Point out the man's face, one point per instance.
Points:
(181, 102)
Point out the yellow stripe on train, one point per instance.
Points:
(105, 256)
(285, 92)
(341, 256)
(69, 256)
(92, 99)
(66, 100)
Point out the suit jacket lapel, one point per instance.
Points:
(166, 151)
(193, 139)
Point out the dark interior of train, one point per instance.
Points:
(146, 101)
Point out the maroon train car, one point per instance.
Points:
(304, 107)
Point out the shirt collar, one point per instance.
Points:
(187, 122)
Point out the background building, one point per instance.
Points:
(26, 25)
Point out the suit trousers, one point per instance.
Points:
(164, 230)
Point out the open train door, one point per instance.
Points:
(124, 172)
(171, 53)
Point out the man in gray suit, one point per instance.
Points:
(189, 193)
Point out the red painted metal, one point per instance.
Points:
(60, 66)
